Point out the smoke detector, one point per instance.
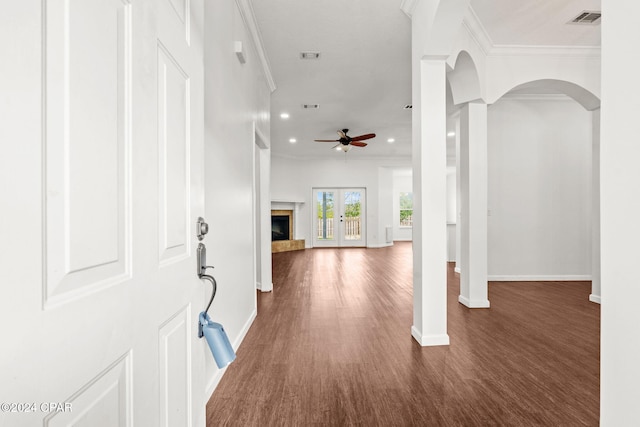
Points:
(589, 17)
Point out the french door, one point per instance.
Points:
(339, 217)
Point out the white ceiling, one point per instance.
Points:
(362, 80)
(537, 22)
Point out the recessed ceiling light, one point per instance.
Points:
(293, 140)
(451, 134)
(391, 140)
(284, 115)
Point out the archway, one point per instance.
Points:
(543, 221)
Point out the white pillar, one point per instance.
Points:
(266, 284)
(430, 204)
(458, 267)
(473, 174)
(619, 213)
(595, 209)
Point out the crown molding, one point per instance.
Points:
(408, 6)
(477, 31)
(400, 161)
(536, 97)
(480, 35)
(249, 18)
(593, 52)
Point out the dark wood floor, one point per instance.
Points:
(332, 346)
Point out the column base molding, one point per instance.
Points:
(429, 340)
(473, 303)
(539, 278)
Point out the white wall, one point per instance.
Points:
(236, 97)
(539, 189)
(451, 214)
(402, 183)
(293, 179)
(620, 210)
(385, 209)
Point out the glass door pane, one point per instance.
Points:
(325, 217)
(352, 215)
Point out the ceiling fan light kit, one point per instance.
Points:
(345, 142)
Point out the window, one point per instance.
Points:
(406, 209)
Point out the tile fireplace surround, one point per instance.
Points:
(286, 245)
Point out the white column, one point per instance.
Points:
(265, 220)
(473, 174)
(595, 209)
(619, 213)
(458, 268)
(430, 204)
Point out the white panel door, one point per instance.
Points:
(339, 217)
(99, 293)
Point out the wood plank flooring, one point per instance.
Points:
(332, 346)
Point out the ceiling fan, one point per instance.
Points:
(345, 142)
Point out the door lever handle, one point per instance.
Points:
(202, 261)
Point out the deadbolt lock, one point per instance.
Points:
(202, 228)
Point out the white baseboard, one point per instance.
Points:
(245, 329)
(595, 298)
(457, 269)
(213, 383)
(405, 239)
(215, 380)
(429, 340)
(259, 287)
(473, 303)
(379, 245)
(541, 278)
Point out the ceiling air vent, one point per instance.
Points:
(310, 106)
(309, 55)
(587, 17)
(408, 107)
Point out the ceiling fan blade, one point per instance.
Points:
(363, 137)
(342, 134)
(326, 140)
(359, 144)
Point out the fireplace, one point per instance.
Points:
(280, 227)
(282, 236)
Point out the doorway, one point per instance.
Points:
(339, 217)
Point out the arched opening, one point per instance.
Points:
(466, 136)
(552, 86)
(464, 80)
(543, 184)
